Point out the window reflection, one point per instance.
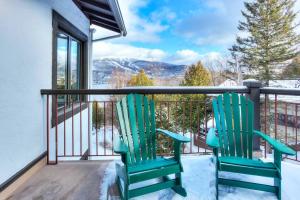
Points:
(68, 67)
(62, 63)
(75, 84)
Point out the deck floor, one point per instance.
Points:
(67, 180)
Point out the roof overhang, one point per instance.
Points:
(103, 13)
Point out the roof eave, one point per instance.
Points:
(114, 5)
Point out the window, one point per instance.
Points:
(70, 64)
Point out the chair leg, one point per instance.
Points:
(277, 183)
(217, 185)
(178, 188)
(123, 191)
(122, 176)
(215, 151)
(126, 192)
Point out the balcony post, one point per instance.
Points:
(254, 94)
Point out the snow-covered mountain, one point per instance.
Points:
(103, 69)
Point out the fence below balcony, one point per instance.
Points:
(82, 124)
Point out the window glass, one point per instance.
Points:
(68, 67)
(75, 61)
(75, 64)
(62, 65)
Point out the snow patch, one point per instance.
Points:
(199, 182)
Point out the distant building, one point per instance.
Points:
(228, 83)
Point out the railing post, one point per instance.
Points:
(254, 94)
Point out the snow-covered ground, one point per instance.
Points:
(199, 181)
(107, 135)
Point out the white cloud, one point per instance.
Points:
(163, 14)
(297, 9)
(212, 39)
(182, 57)
(111, 50)
(214, 23)
(139, 29)
(218, 5)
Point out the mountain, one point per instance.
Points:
(104, 68)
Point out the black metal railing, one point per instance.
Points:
(90, 129)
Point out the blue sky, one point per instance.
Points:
(176, 31)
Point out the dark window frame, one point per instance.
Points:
(61, 25)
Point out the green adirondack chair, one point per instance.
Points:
(137, 146)
(232, 138)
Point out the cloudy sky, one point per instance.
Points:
(175, 31)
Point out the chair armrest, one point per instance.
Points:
(212, 140)
(174, 136)
(120, 147)
(282, 148)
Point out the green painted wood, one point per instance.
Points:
(127, 128)
(246, 162)
(237, 123)
(218, 124)
(136, 115)
(151, 164)
(132, 121)
(282, 148)
(122, 127)
(146, 175)
(250, 127)
(120, 147)
(212, 139)
(121, 122)
(258, 171)
(121, 172)
(179, 190)
(140, 121)
(277, 162)
(228, 116)
(177, 151)
(151, 188)
(223, 132)
(122, 190)
(121, 175)
(242, 117)
(244, 126)
(153, 128)
(248, 185)
(147, 124)
(174, 136)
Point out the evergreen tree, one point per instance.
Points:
(270, 38)
(97, 115)
(292, 71)
(141, 79)
(192, 110)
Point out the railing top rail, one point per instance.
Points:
(148, 90)
(280, 91)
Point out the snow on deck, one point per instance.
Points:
(199, 181)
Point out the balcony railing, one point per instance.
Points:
(85, 126)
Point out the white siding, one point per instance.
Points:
(25, 69)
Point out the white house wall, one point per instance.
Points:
(26, 68)
(68, 133)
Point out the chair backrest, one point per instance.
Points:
(233, 115)
(136, 115)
